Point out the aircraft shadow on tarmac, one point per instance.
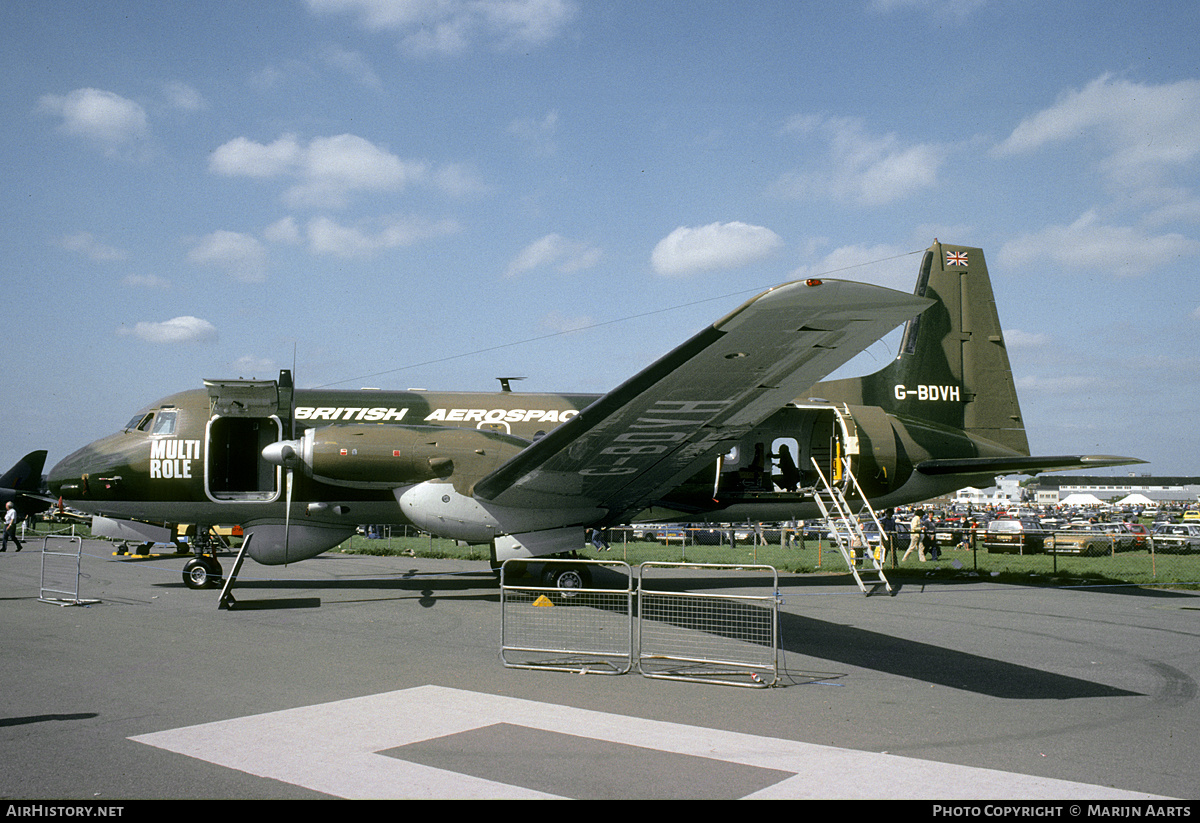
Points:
(932, 664)
(799, 635)
(479, 586)
(44, 718)
(907, 658)
(895, 655)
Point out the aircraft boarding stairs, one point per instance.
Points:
(847, 531)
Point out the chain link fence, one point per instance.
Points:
(1100, 556)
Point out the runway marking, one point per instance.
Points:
(435, 742)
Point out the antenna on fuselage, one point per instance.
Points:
(506, 382)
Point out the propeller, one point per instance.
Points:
(287, 453)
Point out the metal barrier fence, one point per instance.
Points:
(61, 572)
(585, 630)
(723, 638)
(679, 634)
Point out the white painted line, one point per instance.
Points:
(333, 748)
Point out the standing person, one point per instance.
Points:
(598, 540)
(789, 475)
(10, 527)
(888, 536)
(928, 539)
(914, 538)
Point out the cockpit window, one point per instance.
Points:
(165, 424)
(140, 422)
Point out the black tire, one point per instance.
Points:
(566, 578)
(201, 573)
(514, 570)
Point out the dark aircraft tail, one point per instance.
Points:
(22, 482)
(26, 475)
(952, 368)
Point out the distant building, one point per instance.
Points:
(1050, 489)
(1007, 490)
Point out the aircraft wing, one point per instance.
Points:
(1022, 465)
(662, 425)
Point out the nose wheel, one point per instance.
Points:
(201, 573)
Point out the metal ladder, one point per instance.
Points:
(846, 531)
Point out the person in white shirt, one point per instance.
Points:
(915, 538)
(10, 527)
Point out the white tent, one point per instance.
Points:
(1135, 499)
(1078, 499)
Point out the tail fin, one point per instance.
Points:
(26, 475)
(953, 367)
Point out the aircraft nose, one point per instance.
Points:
(65, 479)
(73, 477)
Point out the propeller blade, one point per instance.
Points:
(287, 514)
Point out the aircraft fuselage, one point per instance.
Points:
(182, 461)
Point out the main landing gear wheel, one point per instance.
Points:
(201, 573)
(566, 578)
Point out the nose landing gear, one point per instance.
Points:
(202, 573)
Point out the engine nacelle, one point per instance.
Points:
(438, 508)
(386, 456)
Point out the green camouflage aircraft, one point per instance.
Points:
(729, 427)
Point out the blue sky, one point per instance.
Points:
(399, 194)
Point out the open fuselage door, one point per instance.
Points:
(778, 456)
(245, 416)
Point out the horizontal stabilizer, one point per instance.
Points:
(1018, 464)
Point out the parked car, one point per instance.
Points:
(1090, 539)
(1143, 540)
(1014, 536)
(709, 536)
(1177, 538)
(950, 532)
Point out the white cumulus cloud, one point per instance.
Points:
(715, 246)
(242, 256)
(327, 171)
(183, 97)
(368, 238)
(185, 329)
(555, 250)
(1093, 245)
(449, 27)
(858, 167)
(88, 245)
(1144, 129)
(242, 157)
(112, 121)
